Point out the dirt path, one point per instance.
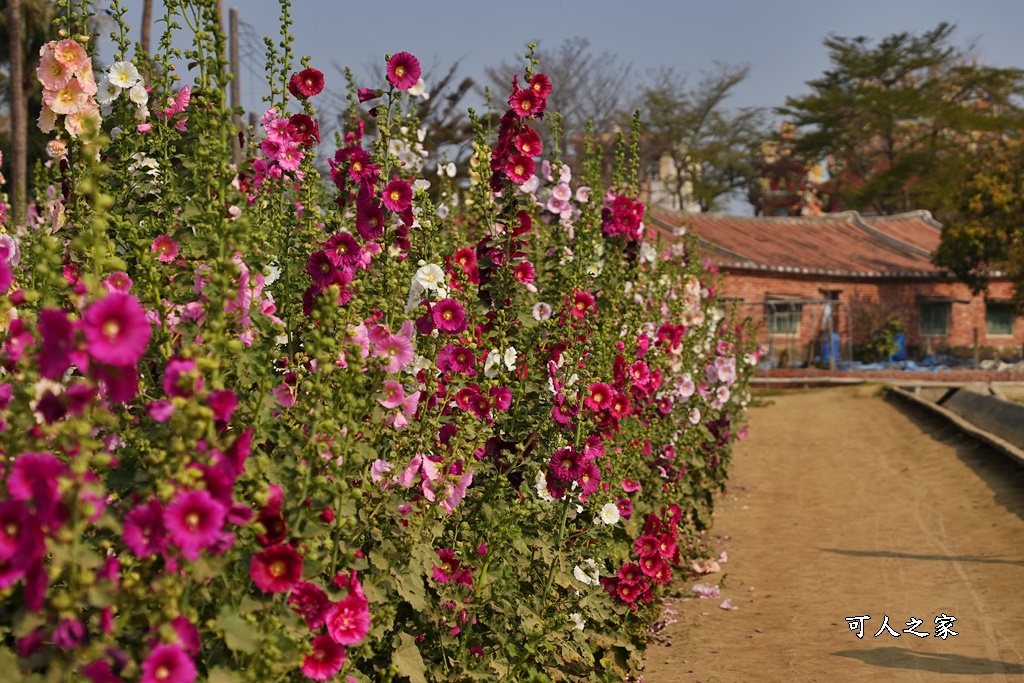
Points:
(843, 504)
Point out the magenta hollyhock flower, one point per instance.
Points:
(525, 272)
(343, 250)
(369, 219)
(396, 349)
(320, 268)
(502, 397)
(194, 520)
(667, 546)
(367, 94)
(34, 475)
(449, 316)
(325, 661)
(69, 634)
(276, 569)
(176, 379)
(590, 478)
(306, 83)
(519, 168)
(454, 358)
(116, 330)
(121, 382)
(593, 447)
(58, 341)
(223, 403)
(540, 85)
(449, 566)
(404, 70)
(168, 664)
(528, 143)
(6, 277)
(160, 411)
(599, 396)
(144, 531)
(188, 635)
(310, 602)
(165, 248)
(348, 621)
(628, 485)
(398, 195)
(21, 539)
(99, 671)
(567, 464)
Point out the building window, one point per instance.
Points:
(934, 317)
(999, 319)
(783, 316)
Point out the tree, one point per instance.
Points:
(982, 231)
(896, 117)
(710, 149)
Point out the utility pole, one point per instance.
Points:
(147, 25)
(236, 86)
(19, 111)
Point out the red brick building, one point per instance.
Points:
(846, 273)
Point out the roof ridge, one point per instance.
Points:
(860, 222)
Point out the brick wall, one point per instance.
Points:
(865, 303)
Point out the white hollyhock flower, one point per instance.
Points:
(107, 91)
(541, 485)
(580, 622)
(124, 74)
(429, 276)
(609, 514)
(139, 95)
(510, 358)
(493, 364)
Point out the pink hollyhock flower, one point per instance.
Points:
(289, 157)
(52, 73)
(456, 492)
(325, 661)
(69, 99)
(116, 329)
(567, 464)
(57, 343)
(176, 379)
(519, 168)
(194, 520)
(628, 485)
(449, 316)
(182, 99)
(310, 602)
(502, 397)
(144, 128)
(397, 195)
(378, 469)
(160, 411)
(118, 282)
(69, 53)
(306, 83)
(599, 396)
(168, 664)
(284, 394)
(271, 147)
(348, 621)
(165, 248)
(277, 569)
(394, 394)
(69, 634)
(404, 70)
(144, 531)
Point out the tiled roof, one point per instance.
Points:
(837, 244)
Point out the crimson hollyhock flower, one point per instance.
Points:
(276, 569)
(343, 250)
(540, 85)
(667, 546)
(525, 102)
(619, 407)
(449, 566)
(567, 464)
(519, 168)
(459, 359)
(306, 83)
(465, 258)
(116, 330)
(528, 143)
(367, 94)
(325, 661)
(177, 381)
(144, 532)
(271, 519)
(646, 546)
(397, 195)
(348, 621)
(369, 219)
(360, 168)
(303, 128)
(581, 303)
(320, 268)
(310, 602)
(630, 591)
(194, 520)
(449, 316)
(58, 339)
(524, 272)
(404, 70)
(168, 664)
(599, 396)
(652, 565)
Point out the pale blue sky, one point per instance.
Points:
(781, 40)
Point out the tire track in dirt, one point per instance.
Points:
(843, 504)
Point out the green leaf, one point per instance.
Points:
(410, 587)
(239, 634)
(219, 674)
(408, 660)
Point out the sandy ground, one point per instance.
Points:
(845, 504)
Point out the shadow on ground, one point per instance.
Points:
(911, 556)
(902, 658)
(1004, 476)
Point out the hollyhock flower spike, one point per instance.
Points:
(403, 70)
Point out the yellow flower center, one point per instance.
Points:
(111, 329)
(357, 166)
(162, 673)
(395, 195)
(277, 568)
(399, 71)
(192, 521)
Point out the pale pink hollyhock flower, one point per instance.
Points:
(695, 416)
(88, 82)
(411, 471)
(66, 100)
(455, 492)
(144, 128)
(705, 590)
(72, 55)
(378, 469)
(85, 119)
(285, 395)
(52, 73)
(47, 119)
